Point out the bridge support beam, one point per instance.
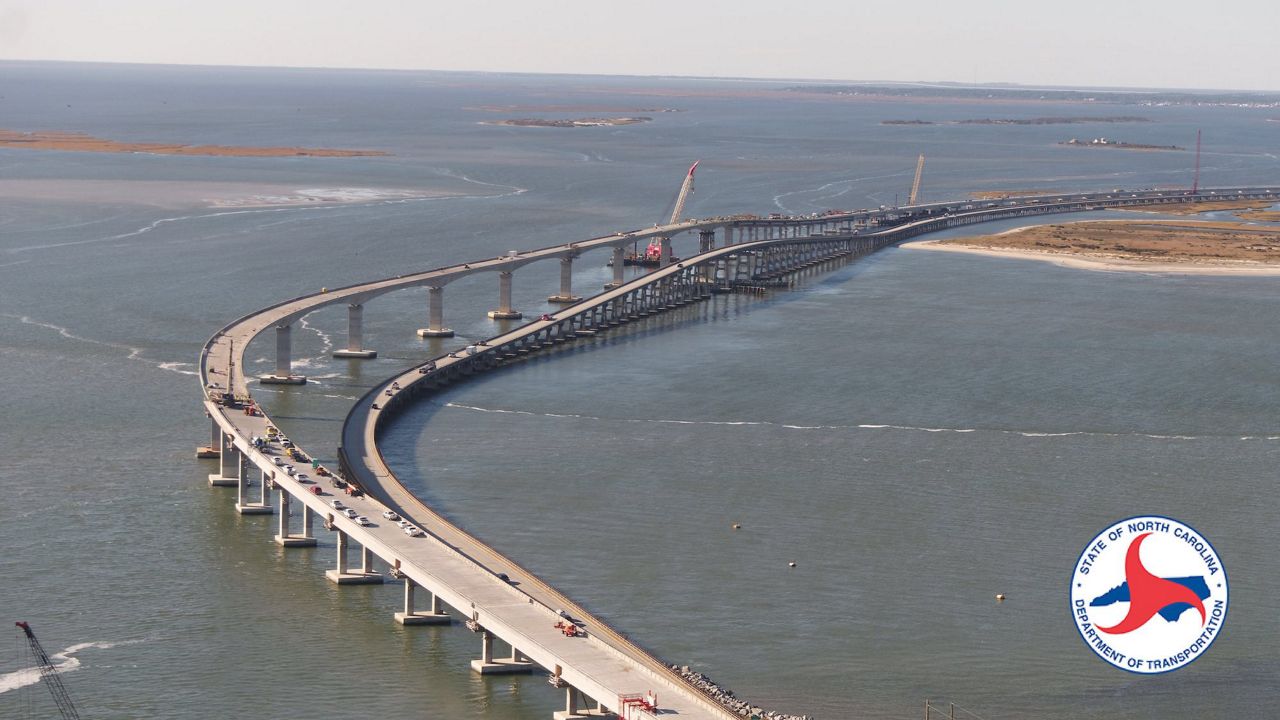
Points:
(284, 363)
(355, 335)
(619, 263)
(286, 538)
(435, 315)
(517, 664)
(435, 616)
(565, 296)
(230, 460)
(664, 259)
(504, 311)
(342, 576)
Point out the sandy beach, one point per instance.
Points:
(80, 142)
(1131, 246)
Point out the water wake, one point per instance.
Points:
(860, 426)
(132, 353)
(63, 661)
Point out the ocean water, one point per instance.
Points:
(917, 431)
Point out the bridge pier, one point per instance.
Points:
(664, 258)
(574, 711)
(284, 364)
(504, 311)
(517, 664)
(263, 506)
(287, 539)
(565, 296)
(435, 616)
(342, 576)
(355, 335)
(230, 460)
(435, 315)
(619, 263)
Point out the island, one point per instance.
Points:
(1101, 142)
(1195, 247)
(81, 142)
(579, 122)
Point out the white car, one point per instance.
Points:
(390, 515)
(301, 476)
(350, 513)
(403, 524)
(363, 521)
(288, 470)
(337, 505)
(412, 531)
(277, 461)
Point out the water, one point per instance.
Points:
(918, 431)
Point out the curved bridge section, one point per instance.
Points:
(493, 595)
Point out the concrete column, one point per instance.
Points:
(243, 506)
(285, 537)
(355, 335)
(619, 265)
(728, 235)
(341, 575)
(284, 370)
(366, 559)
(435, 315)
(706, 240)
(342, 552)
(435, 616)
(504, 311)
(487, 665)
(566, 296)
(230, 461)
(664, 259)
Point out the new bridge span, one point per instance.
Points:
(494, 595)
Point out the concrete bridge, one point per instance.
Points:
(602, 671)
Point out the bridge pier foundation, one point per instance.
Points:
(284, 363)
(342, 576)
(664, 258)
(435, 315)
(213, 449)
(230, 460)
(517, 664)
(435, 616)
(355, 335)
(565, 296)
(504, 311)
(287, 539)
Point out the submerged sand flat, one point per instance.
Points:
(199, 193)
(80, 142)
(1201, 248)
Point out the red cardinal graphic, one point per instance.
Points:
(1149, 594)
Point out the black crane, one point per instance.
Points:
(49, 673)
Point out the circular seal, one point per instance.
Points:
(1149, 594)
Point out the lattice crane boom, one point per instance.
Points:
(686, 190)
(49, 673)
(915, 186)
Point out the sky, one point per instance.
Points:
(1220, 44)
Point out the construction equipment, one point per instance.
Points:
(652, 256)
(915, 185)
(49, 673)
(569, 629)
(633, 705)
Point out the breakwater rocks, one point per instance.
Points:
(729, 700)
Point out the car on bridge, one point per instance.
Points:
(337, 505)
(412, 531)
(350, 513)
(390, 515)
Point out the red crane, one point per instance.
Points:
(49, 673)
(652, 256)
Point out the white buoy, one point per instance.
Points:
(737, 526)
(999, 597)
(791, 564)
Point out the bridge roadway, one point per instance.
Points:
(462, 570)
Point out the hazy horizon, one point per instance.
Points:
(1143, 44)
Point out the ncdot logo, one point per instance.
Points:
(1149, 594)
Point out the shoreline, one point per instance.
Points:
(1102, 263)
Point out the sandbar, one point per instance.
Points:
(81, 142)
(1174, 247)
